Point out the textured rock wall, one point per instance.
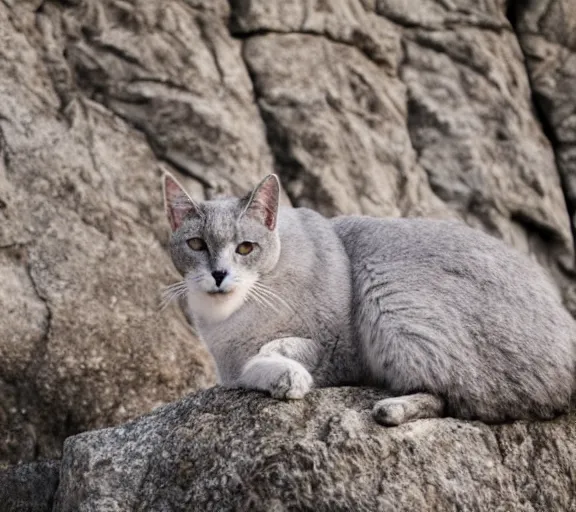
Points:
(458, 108)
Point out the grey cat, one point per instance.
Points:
(448, 319)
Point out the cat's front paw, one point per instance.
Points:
(280, 376)
(292, 383)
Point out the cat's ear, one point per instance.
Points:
(177, 203)
(262, 203)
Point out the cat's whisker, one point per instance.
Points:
(255, 299)
(264, 301)
(168, 299)
(194, 279)
(254, 293)
(272, 295)
(292, 308)
(172, 292)
(175, 285)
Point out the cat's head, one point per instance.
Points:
(222, 247)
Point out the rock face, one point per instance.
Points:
(82, 259)
(424, 107)
(226, 450)
(547, 35)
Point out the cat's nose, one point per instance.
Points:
(219, 276)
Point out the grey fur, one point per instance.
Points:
(447, 318)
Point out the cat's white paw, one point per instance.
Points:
(293, 383)
(280, 376)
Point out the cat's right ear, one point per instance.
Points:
(177, 203)
(262, 203)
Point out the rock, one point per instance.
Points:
(82, 258)
(546, 32)
(232, 450)
(29, 487)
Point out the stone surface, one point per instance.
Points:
(29, 487)
(82, 257)
(232, 450)
(458, 108)
(547, 35)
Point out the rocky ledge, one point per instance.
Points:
(234, 450)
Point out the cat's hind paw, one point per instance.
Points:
(389, 412)
(397, 410)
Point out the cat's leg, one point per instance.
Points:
(282, 368)
(401, 409)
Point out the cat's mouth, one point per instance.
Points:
(218, 292)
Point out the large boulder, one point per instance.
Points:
(222, 450)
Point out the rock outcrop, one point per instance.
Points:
(424, 107)
(222, 450)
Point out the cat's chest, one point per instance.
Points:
(233, 342)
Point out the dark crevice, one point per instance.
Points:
(4, 150)
(160, 152)
(288, 169)
(28, 392)
(412, 115)
(550, 134)
(511, 14)
(547, 234)
(539, 110)
(42, 347)
(366, 49)
(118, 52)
(485, 23)
(179, 165)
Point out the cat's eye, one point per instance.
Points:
(196, 244)
(245, 248)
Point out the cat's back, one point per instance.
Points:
(442, 307)
(416, 239)
(439, 247)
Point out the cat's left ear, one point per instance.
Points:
(262, 203)
(177, 203)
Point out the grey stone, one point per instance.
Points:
(29, 487)
(231, 450)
